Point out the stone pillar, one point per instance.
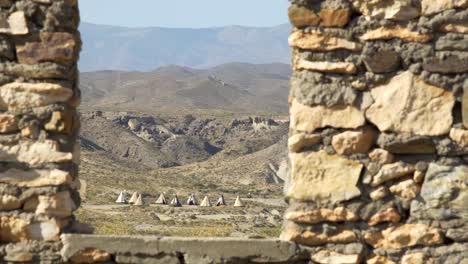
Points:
(378, 143)
(39, 46)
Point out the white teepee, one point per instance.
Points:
(206, 202)
(133, 198)
(192, 200)
(139, 201)
(176, 202)
(161, 200)
(121, 199)
(221, 201)
(238, 202)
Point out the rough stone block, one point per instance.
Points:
(320, 42)
(301, 16)
(398, 10)
(404, 236)
(58, 47)
(406, 35)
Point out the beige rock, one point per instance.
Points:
(406, 104)
(8, 123)
(302, 17)
(31, 132)
(91, 255)
(319, 42)
(302, 140)
(35, 178)
(455, 28)
(319, 177)
(379, 193)
(404, 34)
(388, 215)
(18, 24)
(339, 214)
(399, 10)
(392, 171)
(330, 257)
(308, 119)
(352, 142)
(334, 17)
(13, 229)
(58, 205)
(416, 258)
(58, 47)
(418, 176)
(34, 153)
(9, 202)
(404, 236)
(406, 189)
(431, 7)
(19, 95)
(47, 231)
(310, 238)
(60, 122)
(380, 260)
(460, 136)
(326, 67)
(381, 156)
(18, 255)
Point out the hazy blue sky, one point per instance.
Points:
(184, 13)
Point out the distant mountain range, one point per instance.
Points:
(232, 87)
(145, 49)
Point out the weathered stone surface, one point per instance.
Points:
(58, 47)
(161, 259)
(444, 194)
(308, 119)
(36, 71)
(465, 106)
(334, 17)
(320, 42)
(379, 193)
(58, 205)
(60, 122)
(319, 177)
(352, 142)
(46, 230)
(404, 236)
(406, 189)
(405, 143)
(416, 258)
(311, 238)
(392, 171)
(408, 105)
(34, 153)
(448, 65)
(18, 255)
(218, 250)
(91, 255)
(301, 16)
(326, 67)
(406, 35)
(454, 28)
(388, 215)
(35, 178)
(460, 136)
(431, 7)
(302, 140)
(9, 202)
(16, 24)
(26, 95)
(381, 156)
(339, 214)
(383, 61)
(398, 10)
(330, 257)
(418, 176)
(380, 260)
(13, 229)
(8, 123)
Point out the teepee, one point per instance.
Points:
(176, 202)
(192, 200)
(139, 201)
(221, 201)
(206, 202)
(133, 198)
(121, 199)
(238, 202)
(161, 199)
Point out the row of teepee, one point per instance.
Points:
(137, 200)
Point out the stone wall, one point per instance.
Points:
(378, 142)
(39, 46)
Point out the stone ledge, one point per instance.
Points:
(191, 250)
